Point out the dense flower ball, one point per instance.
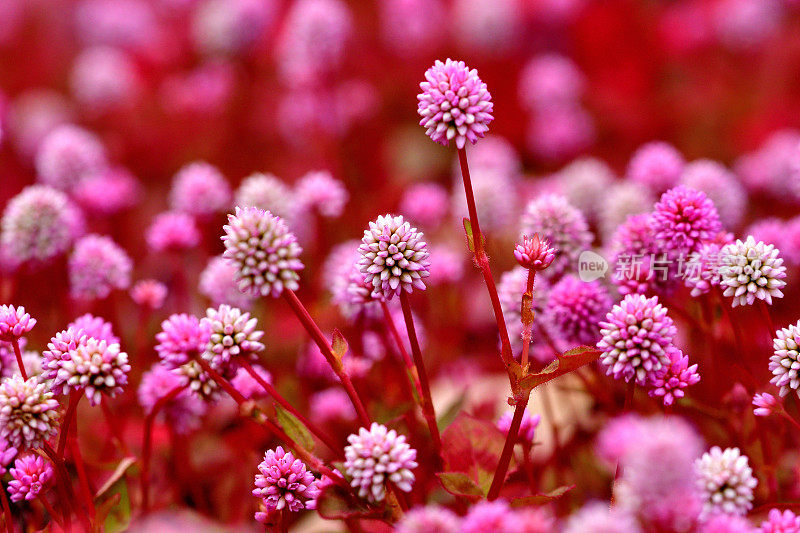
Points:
(68, 155)
(183, 412)
(376, 457)
(30, 475)
(575, 308)
(601, 518)
(233, 334)
(636, 336)
(751, 270)
(149, 293)
(181, 338)
(32, 115)
(14, 322)
(657, 165)
(267, 192)
(550, 79)
(527, 428)
(425, 204)
(284, 482)
(639, 267)
(702, 268)
(561, 131)
(7, 454)
(454, 104)
(565, 228)
(534, 253)
(39, 224)
(263, 250)
(218, 283)
(780, 522)
(394, 256)
(489, 516)
(321, 192)
(726, 481)
(28, 412)
(671, 380)
(765, 404)
(172, 231)
(683, 219)
(622, 201)
(199, 189)
(785, 362)
(95, 326)
(429, 519)
(721, 186)
(97, 266)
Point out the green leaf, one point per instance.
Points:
(563, 364)
(339, 347)
(446, 418)
(115, 511)
(468, 230)
(294, 428)
(542, 498)
(460, 484)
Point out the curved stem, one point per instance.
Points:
(18, 353)
(147, 445)
(508, 448)
(401, 347)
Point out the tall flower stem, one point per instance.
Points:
(767, 319)
(72, 405)
(113, 426)
(64, 486)
(7, 511)
(526, 327)
(321, 435)
(427, 407)
(324, 346)
(86, 492)
(18, 353)
(508, 449)
(401, 347)
(51, 511)
(482, 260)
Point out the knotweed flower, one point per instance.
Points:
(744, 24)
(658, 165)
(14, 322)
(575, 308)
(429, 519)
(267, 192)
(284, 482)
(354, 296)
(330, 405)
(639, 268)
(34, 114)
(218, 283)
(129, 24)
(702, 268)
(490, 516)
(7, 454)
(394, 257)
(785, 362)
(671, 380)
(726, 481)
(172, 231)
(636, 336)
(600, 517)
(495, 198)
(766, 404)
(28, 412)
(39, 224)
(30, 476)
(412, 26)
(454, 104)
(533, 253)
(488, 27)
(447, 265)
(425, 204)
(564, 227)
(321, 192)
(780, 522)
(725, 523)
(183, 412)
(97, 266)
(264, 252)
(585, 180)
(94, 326)
(751, 270)
(376, 457)
(494, 154)
(107, 192)
(558, 132)
(222, 27)
(233, 335)
(247, 385)
(683, 219)
(721, 186)
(199, 189)
(181, 338)
(104, 78)
(200, 383)
(67, 155)
(550, 79)
(527, 428)
(149, 293)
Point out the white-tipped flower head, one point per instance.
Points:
(263, 250)
(750, 270)
(726, 481)
(394, 256)
(785, 362)
(376, 457)
(28, 412)
(233, 334)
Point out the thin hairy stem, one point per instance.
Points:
(508, 448)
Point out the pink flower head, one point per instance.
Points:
(183, 412)
(683, 219)
(766, 404)
(205, 90)
(129, 24)
(181, 338)
(172, 231)
(447, 264)
(68, 155)
(658, 165)
(429, 519)
(218, 283)
(412, 26)
(488, 27)
(559, 132)
(331, 405)
(321, 192)
(247, 385)
(751, 270)
(785, 361)
(285, 482)
(425, 204)
(199, 189)
(149, 293)
(377, 456)
(601, 517)
(702, 269)
(722, 187)
(233, 335)
(30, 475)
(636, 336)
(527, 428)
(94, 326)
(394, 256)
(550, 79)
(726, 482)
(489, 516)
(97, 266)
(28, 412)
(104, 78)
(34, 114)
(108, 191)
(454, 104)
(671, 380)
(534, 253)
(576, 308)
(264, 252)
(222, 27)
(14, 322)
(780, 522)
(639, 266)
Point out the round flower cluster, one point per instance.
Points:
(67, 155)
(683, 219)
(233, 334)
(377, 456)
(583, 181)
(321, 192)
(726, 481)
(636, 336)
(751, 270)
(671, 380)
(104, 78)
(218, 283)
(181, 338)
(721, 186)
(172, 231)
(785, 362)
(622, 201)
(641, 268)
(225, 27)
(429, 519)
(575, 308)
(199, 189)
(454, 104)
(658, 165)
(94, 326)
(550, 79)
(14, 322)
(109, 191)
(285, 482)
(534, 253)
(30, 475)
(97, 266)
(780, 522)
(149, 293)
(394, 257)
(425, 204)
(765, 404)
(264, 252)
(28, 412)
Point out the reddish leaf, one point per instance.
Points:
(564, 364)
(473, 447)
(542, 498)
(335, 503)
(460, 484)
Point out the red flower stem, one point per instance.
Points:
(767, 319)
(482, 260)
(387, 315)
(328, 441)
(791, 419)
(526, 328)
(508, 449)
(112, 424)
(427, 401)
(769, 466)
(51, 511)
(324, 346)
(7, 511)
(72, 405)
(86, 492)
(18, 353)
(65, 488)
(629, 392)
(734, 326)
(147, 445)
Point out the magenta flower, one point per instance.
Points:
(658, 165)
(109, 191)
(561, 131)
(95, 326)
(429, 519)
(181, 338)
(331, 405)
(489, 516)
(172, 231)
(97, 266)
(266, 192)
(534, 253)
(425, 204)
(247, 385)
(103, 79)
(780, 522)
(68, 155)
(454, 104)
(29, 414)
(284, 482)
(683, 219)
(321, 192)
(550, 79)
(377, 456)
(671, 380)
(527, 428)
(233, 334)
(30, 476)
(785, 361)
(726, 481)
(14, 322)
(636, 336)
(149, 293)
(639, 266)
(766, 404)
(394, 257)
(199, 189)
(721, 186)
(575, 308)
(726, 523)
(183, 412)
(702, 268)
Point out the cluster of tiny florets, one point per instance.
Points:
(726, 481)
(183, 412)
(199, 189)
(785, 361)
(28, 412)
(534, 253)
(97, 266)
(378, 456)
(576, 308)
(284, 482)
(181, 338)
(672, 379)
(14, 322)
(172, 231)
(321, 192)
(683, 219)
(232, 334)
(95, 326)
(267, 192)
(29, 477)
(751, 270)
